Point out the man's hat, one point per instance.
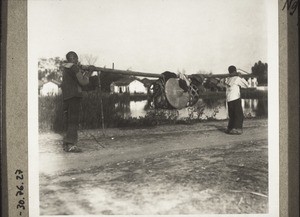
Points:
(231, 69)
(71, 53)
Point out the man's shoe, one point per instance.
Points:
(65, 146)
(227, 131)
(74, 149)
(236, 132)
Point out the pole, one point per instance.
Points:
(156, 75)
(159, 75)
(127, 72)
(101, 101)
(244, 71)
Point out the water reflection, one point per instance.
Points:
(204, 109)
(122, 109)
(137, 108)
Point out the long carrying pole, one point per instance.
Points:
(128, 72)
(159, 75)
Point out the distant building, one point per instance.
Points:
(252, 82)
(129, 85)
(50, 88)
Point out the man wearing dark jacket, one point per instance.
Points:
(73, 80)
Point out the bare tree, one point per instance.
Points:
(90, 59)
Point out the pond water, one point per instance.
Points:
(208, 108)
(118, 111)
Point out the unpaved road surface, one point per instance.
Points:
(178, 169)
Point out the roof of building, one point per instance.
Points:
(58, 83)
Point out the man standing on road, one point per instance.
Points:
(233, 98)
(73, 80)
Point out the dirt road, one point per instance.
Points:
(178, 169)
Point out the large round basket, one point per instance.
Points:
(175, 94)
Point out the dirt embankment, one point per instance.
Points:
(179, 169)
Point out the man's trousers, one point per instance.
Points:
(236, 115)
(71, 109)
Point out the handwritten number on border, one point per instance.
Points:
(20, 190)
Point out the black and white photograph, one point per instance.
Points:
(153, 107)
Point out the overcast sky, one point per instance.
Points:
(153, 35)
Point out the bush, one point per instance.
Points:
(50, 113)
